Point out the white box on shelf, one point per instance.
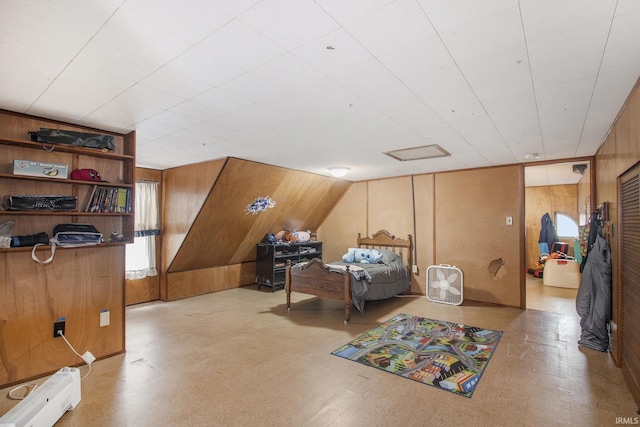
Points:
(48, 170)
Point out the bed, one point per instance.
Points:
(356, 283)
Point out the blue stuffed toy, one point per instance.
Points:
(362, 256)
(350, 255)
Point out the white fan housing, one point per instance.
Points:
(444, 284)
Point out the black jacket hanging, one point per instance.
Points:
(593, 301)
(548, 233)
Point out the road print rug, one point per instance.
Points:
(446, 355)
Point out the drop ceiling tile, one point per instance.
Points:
(423, 65)
(626, 6)
(196, 110)
(345, 12)
(200, 132)
(176, 83)
(625, 30)
(379, 33)
(221, 100)
(142, 37)
(235, 7)
(333, 52)
(574, 43)
(97, 89)
(167, 19)
(566, 70)
(446, 16)
(288, 71)
(289, 23)
(262, 119)
(251, 87)
(204, 67)
(156, 127)
(110, 59)
(618, 60)
(241, 46)
(178, 120)
(121, 112)
(505, 63)
(492, 34)
(567, 15)
(148, 95)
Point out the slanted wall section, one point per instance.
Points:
(219, 249)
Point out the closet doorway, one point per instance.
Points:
(563, 189)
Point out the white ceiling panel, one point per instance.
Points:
(547, 18)
(347, 11)
(495, 33)
(326, 80)
(333, 52)
(289, 23)
(241, 46)
(446, 16)
(399, 24)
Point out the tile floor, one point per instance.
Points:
(238, 358)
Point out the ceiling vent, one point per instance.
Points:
(418, 153)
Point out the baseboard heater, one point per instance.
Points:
(48, 402)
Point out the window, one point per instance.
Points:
(566, 226)
(141, 255)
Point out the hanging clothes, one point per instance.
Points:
(593, 301)
(592, 233)
(548, 234)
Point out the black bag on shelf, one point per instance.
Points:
(40, 203)
(79, 139)
(30, 240)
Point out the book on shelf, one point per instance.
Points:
(109, 200)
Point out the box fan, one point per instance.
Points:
(444, 284)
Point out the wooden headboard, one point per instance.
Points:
(385, 240)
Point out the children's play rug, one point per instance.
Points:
(450, 356)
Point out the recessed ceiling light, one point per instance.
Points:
(339, 171)
(532, 156)
(418, 153)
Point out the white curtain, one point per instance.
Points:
(147, 218)
(141, 255)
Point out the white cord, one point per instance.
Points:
(87, 357)
(11, 396)
(69, 344)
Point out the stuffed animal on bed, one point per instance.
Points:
(362, 256)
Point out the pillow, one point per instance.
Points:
(388, 256)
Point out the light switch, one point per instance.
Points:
(509, 220)
(105, 318)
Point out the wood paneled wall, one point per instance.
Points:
(209, 235)
(456, 218)
(384, 204)
(77, 285)
(470, 230)
(620, 152)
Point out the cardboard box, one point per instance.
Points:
(48, 170)
(561, 273)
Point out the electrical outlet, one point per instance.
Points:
(414, 269)
(58, 327)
